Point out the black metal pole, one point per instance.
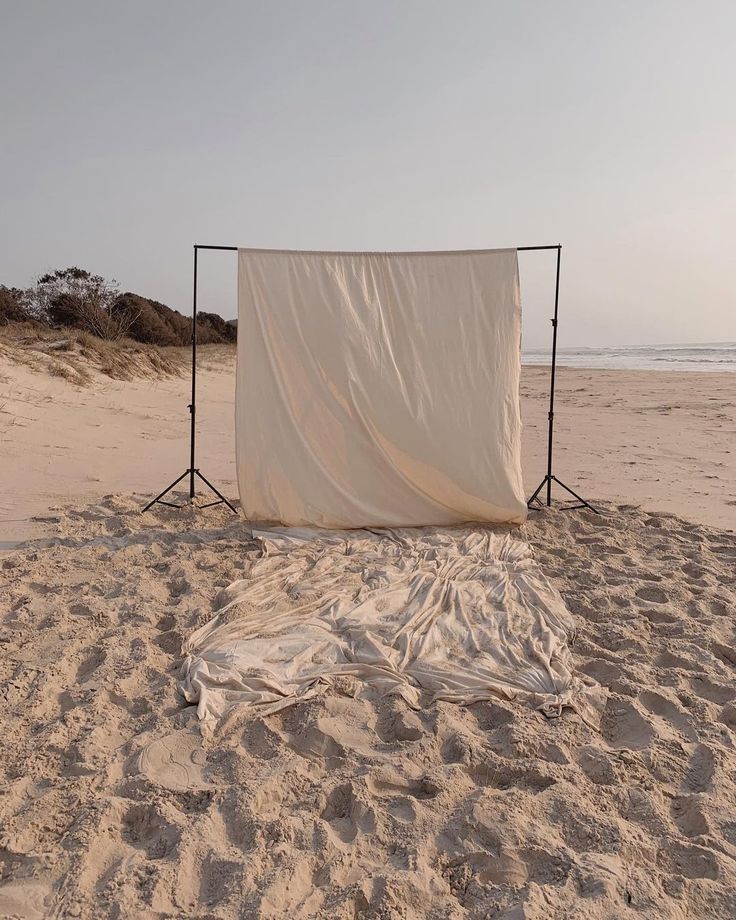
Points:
(193, 404)
(192, 471)
(552, 382)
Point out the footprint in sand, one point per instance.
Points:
(693, 571)
(400, 795)
(176, 761)
(170, 642)
(457, 749)
(719, 609)
(726, 653)
(28, 899)
(269, 799)
(346, 815)
(701, 769)
(596, 765)
(653, 594)
(728, 715)
(179, 586)
(602, 671)
(711, 691)
(387, 784)
(166, 622)
(491, 715)
(241, 826)
(89, 665)
(261, 740)
(670, 713)
(504, 776)
(396, 723)
(660, 617)
(623, 726)
(144, 828)
(687, 860)
(675, 662)
(688, 813)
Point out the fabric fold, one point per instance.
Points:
(455, 614)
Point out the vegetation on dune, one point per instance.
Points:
(13, 308)
(156, 324)
(75, 355)
(71, 323)
(73, 298)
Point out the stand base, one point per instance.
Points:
(191, 473)
(547, 481)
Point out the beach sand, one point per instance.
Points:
(113, 805)
(661, 439)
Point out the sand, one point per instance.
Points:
(662, 439)
(665, 440)
(114, 805)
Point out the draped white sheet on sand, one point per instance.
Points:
(458, 613)
(379, 389)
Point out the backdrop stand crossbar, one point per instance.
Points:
(192, 472)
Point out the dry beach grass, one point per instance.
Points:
(114, 806)
(80, 358)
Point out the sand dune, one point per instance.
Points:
(115, 806)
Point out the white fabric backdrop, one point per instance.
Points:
(379, 389)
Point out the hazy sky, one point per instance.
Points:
(131, 130)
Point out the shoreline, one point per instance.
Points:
(626, 370)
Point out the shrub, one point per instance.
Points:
(12, 306)
(157, 324)
(212, 328)
(149, 325)
(90, 291)
(88, 315)
(75, 298)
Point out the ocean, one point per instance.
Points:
(717, 356)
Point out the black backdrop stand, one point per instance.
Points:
(549, 477)
(193, 472)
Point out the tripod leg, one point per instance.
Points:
(537, 491)
(167, 489)
(218, 494)
(575, 494)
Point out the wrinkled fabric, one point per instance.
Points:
(379, 389)
(455, 614)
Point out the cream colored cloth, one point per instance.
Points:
(379, 389)
(459, 614)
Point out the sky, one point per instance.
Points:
(132, 130)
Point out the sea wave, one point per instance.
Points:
(713, 356)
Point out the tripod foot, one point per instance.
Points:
(159, 498)
(167, 489)
(548, 480)
(539, 488)
(220, 497)
(583, 502)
